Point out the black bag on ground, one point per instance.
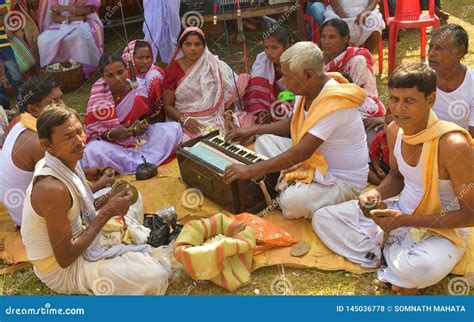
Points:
(160, 231)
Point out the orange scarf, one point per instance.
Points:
(330, 100)
(28, 121)
(430, 202)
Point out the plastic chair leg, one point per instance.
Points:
(423, 41)
(392, 47)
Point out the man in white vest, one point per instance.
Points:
(22, 149)
(61, 228)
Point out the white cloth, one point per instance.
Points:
(133, 220)
(206, 89)
(457, 106)
(359, 33)
(131, 273)
(77, 184)
(60, 42)
(300, 199)
(344, 147)
(68, 42)
(347, 232)
(13, 180)
(162, 33)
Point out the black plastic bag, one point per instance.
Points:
(160, 231)
(164, 227)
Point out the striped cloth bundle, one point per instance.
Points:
(218, 249)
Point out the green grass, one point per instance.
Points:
(303, 281)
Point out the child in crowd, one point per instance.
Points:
(8, 66)
(379, 165)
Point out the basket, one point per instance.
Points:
(68, 80)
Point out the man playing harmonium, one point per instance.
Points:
(321, 148)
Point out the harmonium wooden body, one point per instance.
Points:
(202, 162)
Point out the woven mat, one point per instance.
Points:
(168, 190)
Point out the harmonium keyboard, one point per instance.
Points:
(202, 162)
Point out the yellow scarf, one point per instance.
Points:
(330, 100)
(28, 121)
(430, 202)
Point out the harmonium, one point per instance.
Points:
(202, 162)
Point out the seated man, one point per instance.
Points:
(424, 229)
(66, 255)
(326, 160)
(454, 88)
(22, 150)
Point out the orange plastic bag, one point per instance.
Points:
(267, 234)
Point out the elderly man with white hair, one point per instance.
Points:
(321, 149)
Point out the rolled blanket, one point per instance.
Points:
(218, 249)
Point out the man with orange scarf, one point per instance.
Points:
(321, 148)
(422, 235)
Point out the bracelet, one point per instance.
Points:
(183, 119)
(107, 135)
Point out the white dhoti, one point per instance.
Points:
(410, 264)
(301, 200)
(127, 274)
(132, 271)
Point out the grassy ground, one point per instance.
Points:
(298, 281)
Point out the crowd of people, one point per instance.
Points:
(338, 137)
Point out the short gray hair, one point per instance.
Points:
(457, 32)
(302, 56)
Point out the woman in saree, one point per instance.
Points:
(201, 91)
(140, 53)
(70, 29)
(120, 126)
(363, 18)
(354, 63)
(266, 78)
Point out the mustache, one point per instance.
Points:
(78, 148)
